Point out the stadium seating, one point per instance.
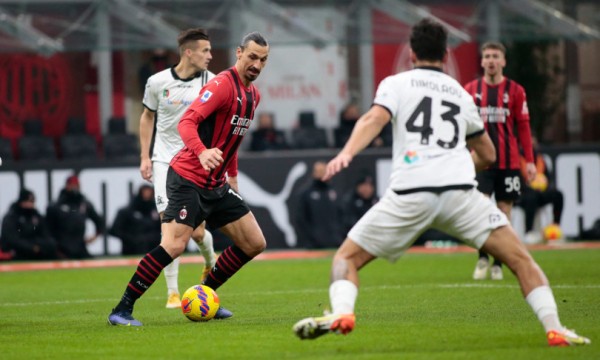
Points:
(76, 144)
(6, 152)
(308, 135)
(33, 145)
(118, 144)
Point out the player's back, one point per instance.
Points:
(432, 115)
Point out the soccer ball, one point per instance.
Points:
(200, 303)
(552, 232)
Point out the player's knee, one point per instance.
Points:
(198, 235)
(175, 246)
(257, 246)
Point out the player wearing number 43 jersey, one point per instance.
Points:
(502, 105)
(431, 186)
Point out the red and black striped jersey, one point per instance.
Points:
(503, 108)
(219, 117)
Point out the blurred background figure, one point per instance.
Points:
(356, 203)
(67, 219)
(538, 193)
(138, 224)
(159, 60)
(318, 211)
(307, 135)
(267, 137)
(348, 117)
(24, 232)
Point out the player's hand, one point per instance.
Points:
(146, 169)
(337, 164)
(531, 170)
(211, 158)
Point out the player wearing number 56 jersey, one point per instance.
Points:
(502, 105)
(431, 186)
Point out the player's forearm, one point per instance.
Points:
(233, 182)
(146, 128)
(188, 130)
(367, 128)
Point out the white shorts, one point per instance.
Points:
(392, 225)
(159, 179)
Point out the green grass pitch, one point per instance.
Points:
(424, 307)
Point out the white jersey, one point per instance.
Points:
(169, 96)
(431, 115)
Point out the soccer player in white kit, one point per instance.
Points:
(432, 185)
(167, 96)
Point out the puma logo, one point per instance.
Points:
(274, 203)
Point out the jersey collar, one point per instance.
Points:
(176, 77)
(434, 68)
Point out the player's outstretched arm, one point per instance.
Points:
(366, 129)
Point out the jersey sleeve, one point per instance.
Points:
(387, 96)
(211, 98)
(522, 119)
(473, 120)
(150, 100)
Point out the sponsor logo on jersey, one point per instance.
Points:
(411, 157)
(159, 200)
(240, 125)
(183, 102)
(493, 114)
(205, 96)
(183, 214)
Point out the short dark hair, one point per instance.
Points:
(495, 45)
(253, 36)
(190, 35)
(428, 40)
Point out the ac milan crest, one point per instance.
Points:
(182, 214)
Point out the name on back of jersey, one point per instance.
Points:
(240, 125)
(432, 85)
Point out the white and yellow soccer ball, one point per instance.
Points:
(552, 232)
(200, 303)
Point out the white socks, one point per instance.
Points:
(342, 294)
(171, 272)
(543, 304)
(207, 250)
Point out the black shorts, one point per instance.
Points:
(504, 184)
(190, 204)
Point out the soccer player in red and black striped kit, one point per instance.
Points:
(202, 178)
(502, 104)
